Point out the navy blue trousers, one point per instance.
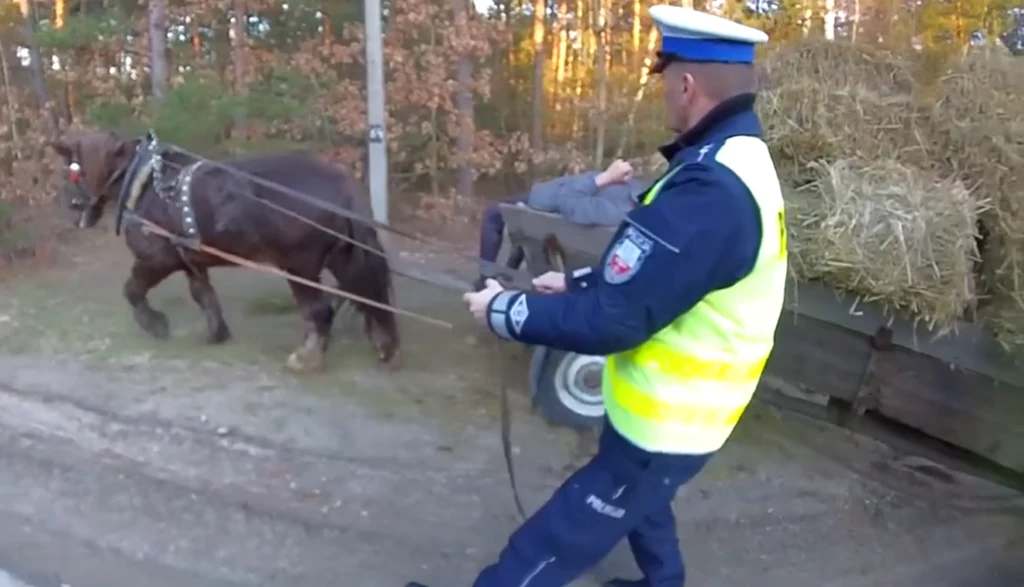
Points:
(623, 492)
(492, 227)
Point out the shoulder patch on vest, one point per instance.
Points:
(519, 313)
(626, 256)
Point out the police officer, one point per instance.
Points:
(684, 303)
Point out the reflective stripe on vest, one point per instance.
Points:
(683, 390)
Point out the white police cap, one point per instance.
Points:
(691, 35)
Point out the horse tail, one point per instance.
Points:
(367, 273)
(373, 263)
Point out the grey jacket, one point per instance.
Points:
(577, 198)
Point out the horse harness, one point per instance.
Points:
(147, 167)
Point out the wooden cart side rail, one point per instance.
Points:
(535, 225)
(820, 361)
(969, 347)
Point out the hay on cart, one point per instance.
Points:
(977, 125)
(956, 125)
(833, 100)
(889, 233)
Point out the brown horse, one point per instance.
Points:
(205, 203)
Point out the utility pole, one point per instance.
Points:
(376, 136)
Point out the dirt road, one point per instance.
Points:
(131, 462)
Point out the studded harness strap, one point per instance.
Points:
(184, 194)
(147, 168)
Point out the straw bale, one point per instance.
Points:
(977, 125)
(933, 120)
(890, 233)
(827, 100)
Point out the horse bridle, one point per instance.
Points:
(84, 199)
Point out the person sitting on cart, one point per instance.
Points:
(600, 198)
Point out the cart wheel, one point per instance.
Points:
(566, 387)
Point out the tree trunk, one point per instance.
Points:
(554, 56)
(60, 13)
(434, 146)
(158, 71)
(562, 53)
(601, 33)
(855, 21)
(12, 115)
(830, 20)
(636, 29)
(463, 103)
(579, 58)
(38, 74)
(645, 75)
(959, 31)
(537, 130)
(239, 55)
(239, 42)
(197, 38)
(328, 29)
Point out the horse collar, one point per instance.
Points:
(146, 165)
(184, 190)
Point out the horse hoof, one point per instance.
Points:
(219, 336)
(303, 361)
(293, 363)
(155, 323)
(391, 362)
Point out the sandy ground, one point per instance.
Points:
(132, 462)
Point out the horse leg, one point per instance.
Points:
(206, 297)
(144, 278)
(318, 312)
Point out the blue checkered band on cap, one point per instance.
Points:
(691, 35)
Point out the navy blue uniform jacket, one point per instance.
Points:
(702, 233)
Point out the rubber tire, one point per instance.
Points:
(543, 367)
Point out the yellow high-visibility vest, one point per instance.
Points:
(683, 390)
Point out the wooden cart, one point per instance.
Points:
(831, 350)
